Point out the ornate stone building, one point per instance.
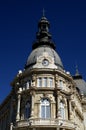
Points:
(44, 96)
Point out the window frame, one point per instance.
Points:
(39, 82)
(61, 84)
(50, 82)
(27, 110)
(62, 109)
(45, 82)
(45, 104)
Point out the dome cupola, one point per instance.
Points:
(80, 82)
(44, 47)
(43, 37)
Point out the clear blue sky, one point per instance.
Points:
(18, 27)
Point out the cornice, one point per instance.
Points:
(29, 72)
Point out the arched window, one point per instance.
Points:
(62, 109)
(27, 110)
(45, 108)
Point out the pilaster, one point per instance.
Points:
(58, 106)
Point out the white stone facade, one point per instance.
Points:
(44, 96)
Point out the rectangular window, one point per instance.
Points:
(45, 82)
(27, 85)
(39, 82)
(50, 82)
(61, 84)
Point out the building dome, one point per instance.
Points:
(80, 83)
(42, 44)
(32, 59)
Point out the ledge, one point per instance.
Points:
(51, 123)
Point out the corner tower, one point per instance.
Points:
(45, 95)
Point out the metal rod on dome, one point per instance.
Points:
(43, 12)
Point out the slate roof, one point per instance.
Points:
(80, 84)
(32, 59)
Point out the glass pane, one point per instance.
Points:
(62, 113)
(27, 84)
(61, 84)
(48, 111)
(61, 104)
(45, 108)
(27, 110)
(39, 82)
(45, 82)
(42, 111)
(50, 82)
(62, 110)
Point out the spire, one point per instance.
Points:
(77, 74)
(43, 12)
(77, 71)
(43, 37)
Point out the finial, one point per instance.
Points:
(43, 12)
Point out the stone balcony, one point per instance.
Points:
(38, 122)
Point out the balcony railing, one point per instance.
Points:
(38, 122)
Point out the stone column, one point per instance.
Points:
(32, 104)
(11, 126)
(18, 107)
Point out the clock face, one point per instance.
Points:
(45, 62)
